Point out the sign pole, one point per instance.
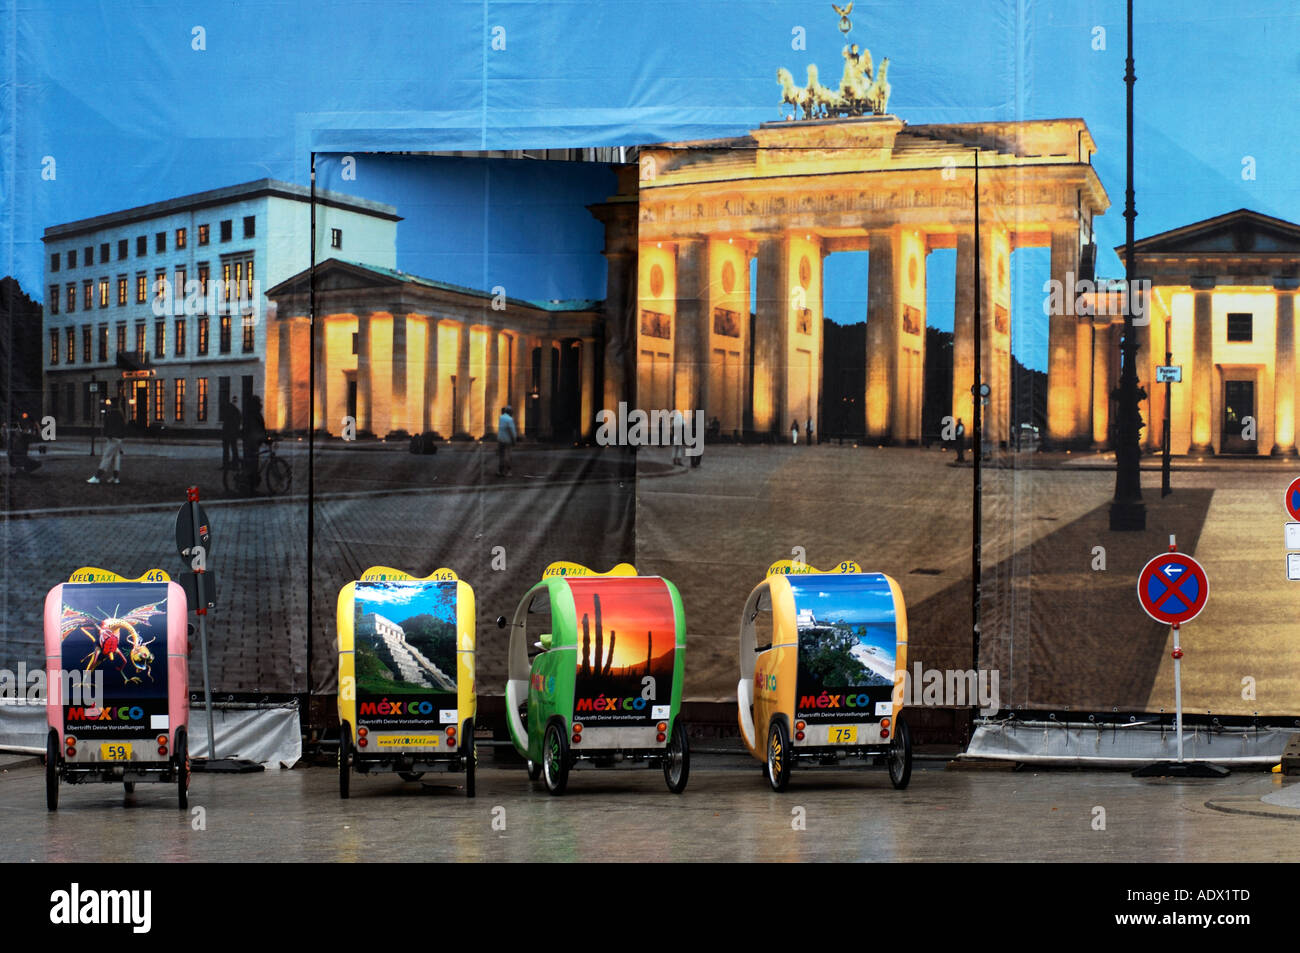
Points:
(1178, 692)
(1165, 489)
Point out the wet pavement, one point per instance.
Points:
(727, 813)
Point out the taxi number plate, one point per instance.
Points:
(115, 752)
(843, 735)
(407, 741)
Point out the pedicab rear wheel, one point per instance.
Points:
(52, 770)
(182, 757)
(467, 752)
(900, 754)
(128, 787)
(778, 757)
(555, 759)
(677, 760)
(345, 758)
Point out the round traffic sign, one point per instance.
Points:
(1292, 499)
(1173, 588)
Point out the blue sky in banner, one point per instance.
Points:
(131, 113)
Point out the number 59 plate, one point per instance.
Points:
(115, 752)
(847, 735)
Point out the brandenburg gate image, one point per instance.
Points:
(793, 192)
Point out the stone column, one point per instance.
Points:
(459, 415)
(882, 334)
(1062, 343)
(364, 418)
(519, 385)
(397, 417)
(1202, 382)
(963, 344)
(1101, 351)
(771, 333)
(491, 381)
(283, 416)
(588, 358)
(321, 420)
(430, 373)
(690, 335)
(1284, 373)
(545, 386)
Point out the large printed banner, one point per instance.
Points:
(731, 319)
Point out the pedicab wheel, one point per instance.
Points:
(555, 759)
(278, 477)
(677, 764)
(345, 758)
(52, 770)
(778, 757)
(534, 770)
(182, 757)
(128, 786)
(408, 776)
(900, 754)
(467, 738)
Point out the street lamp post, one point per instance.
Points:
(1127, 511)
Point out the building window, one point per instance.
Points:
(248, 333)
(141, 246)
(103, 343)
(103, 252)
(159, 285)
(85, 343)
(160, 242)
(141, 287)
(121, 337)
(88, 256)
(180, 337)
(72, 258)
(72, 298)
(87, 295)
(54, 299)
(1241, 326)
(203, 279)
(354, 342)
(54, 345)
(121, 249)
(180, 238)
(226, 230)
(54, 261)
(201, 328)
(139, 341)
(72, 345)
(225, 280)
(250, 226)
(179, 287)
(103, 292)
(159, 394)
(225, 334)
(178, 405)
(121, 290)
(201, 410)
(336, 238)
(204, 234)
(160, 339)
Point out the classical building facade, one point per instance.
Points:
(789, 194)
(1221, 307)
(401, 354)
(120, 321)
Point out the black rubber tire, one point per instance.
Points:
(534, 770)
(345, 759)
(279, 476)
(900, 754)
(555, 758)
(52, 753)
(128, 786)
(410, 775)
(778, 756)
(470, 756)
(181, 755)
(677, 763)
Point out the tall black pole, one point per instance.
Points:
(1127, 511)
(311, 428)
(977, 447)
